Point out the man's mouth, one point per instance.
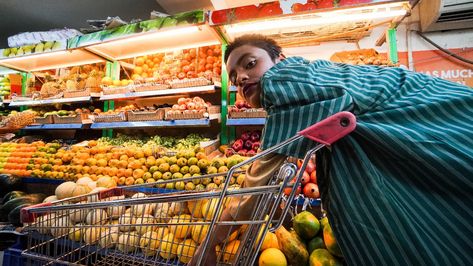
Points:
(247, 89)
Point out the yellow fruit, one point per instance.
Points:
(128, 242)
(199, 232)
(180, 231)
(272, 257)
(168, 247)
(270, 241)
(75, 234)
(141, 224)
(150, 243)
(195, 208)
(186, 250)
(230, 251)
(209, 209)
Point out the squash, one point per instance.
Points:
(9, 183)
(61, 226)
(65, 189)
(11, 195)
(106, 181)
(84, 181)
(50, 198)
(12, 204)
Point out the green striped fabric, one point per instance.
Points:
(399, 189)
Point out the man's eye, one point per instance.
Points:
(251, 64)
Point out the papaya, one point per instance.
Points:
(322, 257)
(330, 241)
(306, 225)
(292, 246)
(315, 243)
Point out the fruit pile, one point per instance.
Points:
(309, 186)
(240, 106)
(190, 105)
(15, 157)
(4, 86)
(310, 242)
(242, 109)
(134, 228)
(246, 145)
(133, 163)
(184, 64)
(33, 48)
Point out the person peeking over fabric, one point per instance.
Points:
(399, 189)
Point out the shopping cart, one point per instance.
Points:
(136, 225)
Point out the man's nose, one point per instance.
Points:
(242, 79)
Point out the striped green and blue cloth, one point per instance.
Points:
(399, 189)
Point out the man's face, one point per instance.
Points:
(246, 65)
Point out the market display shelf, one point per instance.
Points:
(51, 101)
(160, 123)
(209, 88)
(56, 126)
(246, 121)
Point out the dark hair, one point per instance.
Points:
(257, 40)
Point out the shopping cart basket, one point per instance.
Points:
(136, 225)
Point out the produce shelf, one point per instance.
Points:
(160, 123)
(246, 121)
(50, 60)
(51, 101)
(209, 88)
(56, 126)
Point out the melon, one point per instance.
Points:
(96, 216)
(115, 211)
(127, 221)
(142, 224)
(92, 234)
(78, 215)
(141, 209)
(94, 197)
(108, 238)
(84, 181)
(150, 243)
(161, 212)
(80, 190)
(61, 226)
(64, 190)
(50, 198)
(106, 181)
(75, 234)
(128, 242)
(178, 208)
(45, 222)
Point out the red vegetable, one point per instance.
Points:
(251, 153)
(255, 136)
(229, 152)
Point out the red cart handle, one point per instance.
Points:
(331, 128)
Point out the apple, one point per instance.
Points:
(311, 190)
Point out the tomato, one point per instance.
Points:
(297, 7)
(246, 12)
(271, 9)
(352, 2)
(310, 6)
(325, 3)
(219, 16)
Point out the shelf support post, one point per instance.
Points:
(392, 45)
